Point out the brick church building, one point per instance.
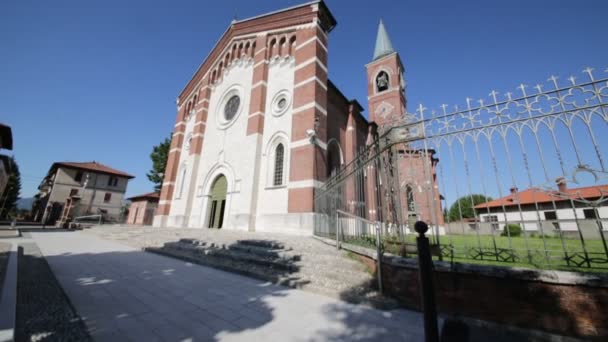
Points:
(260, 126)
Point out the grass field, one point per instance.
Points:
(532, 251)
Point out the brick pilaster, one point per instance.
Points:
(308, 161)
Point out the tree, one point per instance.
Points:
(159, 156)
(463, 207)
(8, 200)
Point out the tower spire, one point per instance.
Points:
(383, 43)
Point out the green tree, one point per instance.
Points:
(8, 200)
(159, 156)
(464, 205)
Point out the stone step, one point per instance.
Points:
(247, 248)
(276, 276)
(269, 244)
(262, 251)
(333, 288)
(238, 256)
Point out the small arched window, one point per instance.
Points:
(382, 81)
(278, 165)
(411, 206)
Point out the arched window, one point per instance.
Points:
(382, 81)
(278, 165)
(409, 194)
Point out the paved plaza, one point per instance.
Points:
(124, 294)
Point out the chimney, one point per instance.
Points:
(513, 190)
(561, 184)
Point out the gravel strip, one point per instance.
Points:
(44, 312)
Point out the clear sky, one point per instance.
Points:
(97, 80)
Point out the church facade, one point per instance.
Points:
(260, 126)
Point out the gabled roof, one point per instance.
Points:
(6, 137)
(288, 17)
(383, 43)
(534, 195)
(92, 166)
(149, 195)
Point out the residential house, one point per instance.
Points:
(571, 211)
(72, 189)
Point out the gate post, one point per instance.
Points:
(425, 282)
(379, 256)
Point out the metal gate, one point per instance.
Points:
(516, 178)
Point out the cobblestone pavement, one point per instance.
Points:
(125, 294)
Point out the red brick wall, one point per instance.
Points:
(565, 309)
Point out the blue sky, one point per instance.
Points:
(84, 80)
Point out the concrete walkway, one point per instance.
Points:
(124, 294)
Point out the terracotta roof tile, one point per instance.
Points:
(534, 195)
(95, 167)
(149, 195)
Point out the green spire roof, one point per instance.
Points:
(383, 43)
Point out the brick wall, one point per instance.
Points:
(564, 303)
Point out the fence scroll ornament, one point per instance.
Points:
(510, 147)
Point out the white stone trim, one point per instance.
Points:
(260, 63)
(314, 78)
(311, 183)
(198, 135)
(256, 113)
(203, 123)
(259, 84)
(309, 105)
(307, 141)
(178, 133)
(384, 92)
(309, 61)
(322, 30)
(180, 123)
(168, 183)
(350, 128)
(300, 46)
(176, 149)
(260, 51)
(161, 202)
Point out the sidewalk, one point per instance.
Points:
(125, 294)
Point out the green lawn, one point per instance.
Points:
(533, 251)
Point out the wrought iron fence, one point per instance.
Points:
(519, 178)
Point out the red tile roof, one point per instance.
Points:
(93, 166)
(149, 195)
(534, 195)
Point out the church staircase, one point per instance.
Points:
(317, 267)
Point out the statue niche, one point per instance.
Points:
(382, 81)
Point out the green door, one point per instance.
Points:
(217, 202)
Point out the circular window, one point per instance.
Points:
(229, 107)
(232, 107)
(280, 103)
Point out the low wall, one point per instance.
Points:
(564, 303)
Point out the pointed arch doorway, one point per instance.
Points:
(217, 202)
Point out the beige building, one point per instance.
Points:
(72, 189)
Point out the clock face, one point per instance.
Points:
(232, 106)
(384, 109)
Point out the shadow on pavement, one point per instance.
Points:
(148, 297)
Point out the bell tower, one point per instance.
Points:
(385, 82)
